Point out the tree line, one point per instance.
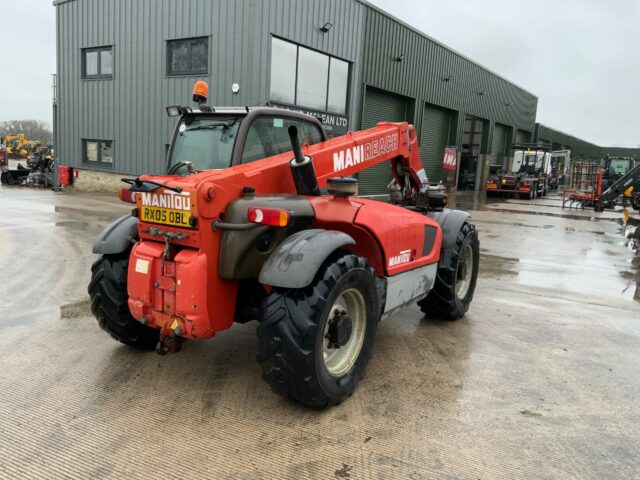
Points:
(32, 129)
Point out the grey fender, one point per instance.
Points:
(295, 262)
(451, 222)
(117, 237)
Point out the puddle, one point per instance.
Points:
(492, 266)
(631, 232)
(72, 224)
(511, 224)
(75, 309)
(573, 230)
(558, 215)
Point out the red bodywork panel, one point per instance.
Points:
(185, 295)
(391, 238)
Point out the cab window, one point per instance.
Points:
(269, 136)
(205, 141)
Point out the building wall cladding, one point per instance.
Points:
(622, 152)
(425, 66)
(130, 108)
(580, 149)
(430, 74)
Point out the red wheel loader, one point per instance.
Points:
(257, 219)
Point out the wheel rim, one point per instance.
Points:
(464, 272)
(339, 359)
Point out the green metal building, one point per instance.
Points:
(581, 150)
(451, 100)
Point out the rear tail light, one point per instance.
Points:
(126, 195)
(491, 181)
(274, 217)
(526, 184)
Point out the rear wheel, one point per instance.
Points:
(456, 281)
(315, 342)
(530, 195)
(109, 303)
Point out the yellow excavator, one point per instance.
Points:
(14, 143)
(18, 146)
(15, 165)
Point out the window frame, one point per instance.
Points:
(295, 87)
(99, 75)
(190, 71)
(99, 162)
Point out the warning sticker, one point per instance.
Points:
(142, 266)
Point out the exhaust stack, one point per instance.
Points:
(304, 176)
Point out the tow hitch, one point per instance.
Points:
(169, 344)
(168, 236)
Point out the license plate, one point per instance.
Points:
(166, 216)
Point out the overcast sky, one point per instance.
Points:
(28, 58)
(581, 58)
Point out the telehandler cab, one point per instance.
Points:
(239, 229)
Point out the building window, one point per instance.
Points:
(98, 152)
(97, 62)
(304, 77)
(188, 57)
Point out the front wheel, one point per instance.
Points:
(456, 280)
(315, 342)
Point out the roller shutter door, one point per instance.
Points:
(434, 137)
(498, 144)
(523, 136)
(379, 106)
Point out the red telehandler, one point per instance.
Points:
(239, 229)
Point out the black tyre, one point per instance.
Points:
(455, 282)
(315, 342)
(108, 292)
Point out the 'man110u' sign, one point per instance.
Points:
(449, 166)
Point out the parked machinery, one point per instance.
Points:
(35, 170)
(585, 186)
(627, 186)
(560, 164)
(15, 168)
(615, 168)
(528, 174)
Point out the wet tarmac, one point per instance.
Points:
(539, 380)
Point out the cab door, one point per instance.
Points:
(268, 134)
